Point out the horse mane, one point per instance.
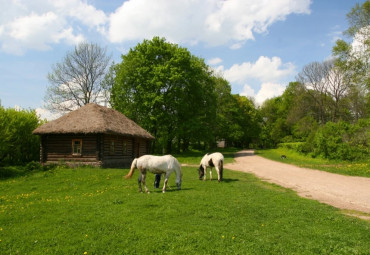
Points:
(132, 169)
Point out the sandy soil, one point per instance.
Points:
(344, 192)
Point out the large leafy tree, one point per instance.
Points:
(168, 91)
(76, 81)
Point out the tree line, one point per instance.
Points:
(186, 105)
(327, 109)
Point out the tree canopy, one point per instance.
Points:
(175, 96)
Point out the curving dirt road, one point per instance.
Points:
(344, 192)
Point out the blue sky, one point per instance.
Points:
(259, 46)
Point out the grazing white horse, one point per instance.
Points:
(156, 165)
(215, 160)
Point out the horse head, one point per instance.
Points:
(201, 172)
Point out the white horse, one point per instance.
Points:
(215, 160)
(156, 165)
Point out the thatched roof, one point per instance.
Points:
(93, 119)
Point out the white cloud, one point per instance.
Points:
(269, 90)
(247, 91)
(264, 70)
(46, 114)
(236, 46)
(265, 76)
(214, 22)
(39, 24)
(214, 61)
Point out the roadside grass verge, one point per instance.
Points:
(358, 168)
(96, 211)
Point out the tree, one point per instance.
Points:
(353, 58)
(313, 77)
(76, 81)
(168, 91)
(326, 84)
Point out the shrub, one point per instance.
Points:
(343, 141)
(33, 165)
(17, 144)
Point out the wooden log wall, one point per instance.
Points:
(117, 150)
(97, 149)
(58, 148)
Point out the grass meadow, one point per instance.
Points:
(97, 211)
(357, 168)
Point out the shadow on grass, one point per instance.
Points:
(224, 180)
(169, 190)
(229, 180)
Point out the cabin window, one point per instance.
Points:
(124, 147)
(112, 147)
(76, 146)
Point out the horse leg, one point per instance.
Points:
(167, 176)
(210, 173)
(139, 182)
(218, 173)
(205, 173)
(144, 183)
(165, 185)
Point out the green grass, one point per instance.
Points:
(360, 168)
(96, 211)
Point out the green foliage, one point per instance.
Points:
(340, 140)
(17, 144)
(7, 172)
(95, 211)
(343, 141)
(279, 114)
(166, 90)
(304, 127)
(177, 98)
(296, 146)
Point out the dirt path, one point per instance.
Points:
(344, 192)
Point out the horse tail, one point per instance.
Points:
(133, 166)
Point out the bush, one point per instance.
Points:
(337, 141)
(291, 146)
(343, 141)
(33, 165)
(17, 144)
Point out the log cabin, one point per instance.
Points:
(92, 135)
